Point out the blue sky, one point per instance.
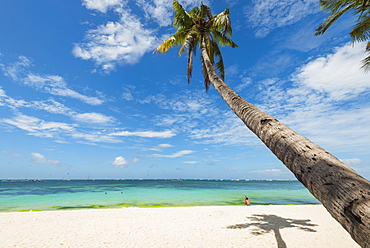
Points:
(83, 96)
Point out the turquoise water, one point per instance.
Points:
(84, 194)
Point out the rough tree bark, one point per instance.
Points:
(344, 193)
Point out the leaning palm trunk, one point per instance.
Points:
(344, 193)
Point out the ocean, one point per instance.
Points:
(23, 195)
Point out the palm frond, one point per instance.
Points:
(166, 45)
(181, 17)
(365, 5)
(200, 25)
(335, 5)
(366, 62)
(223, 39)
(191, 37)
(192, 48)
(207, 81)
(206, 12)
(220, 68)
(222, 23)
(332, 18)
(361, 31)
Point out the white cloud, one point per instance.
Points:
(95, 118)
(158, 148)
(56, 85)
(18, 68)
(95, 137)
(320, 104)
(337, 74)
(41, 159)
(126, 92)
(271, 172)
(162, 10)
(190, 162)
(357, 164)
(123, 42)
(101, 5)
(37, 127)
(57, 130)
(227, 129)
(245, 82)
(267, 15)
(52, 84)
(146, 134)
(159, 10)
(120, 162)
(165, 145)
(197, 114)
(51, 106)
(354, 161)
(175, 155)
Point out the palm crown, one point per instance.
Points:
(361, 29)
(199, 28)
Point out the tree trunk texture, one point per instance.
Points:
(344, 193)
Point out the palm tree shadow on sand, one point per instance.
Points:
(265, 223)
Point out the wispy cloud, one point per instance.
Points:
(56, 85)
(162, 10)
(17, 69)
(94, 118)
(175, 155)
(227, 129)
(267, 15)
(146, 134)
(271, 173)
(159, 147)
(355, 161)
(52, 84)
(94, 137)
(102, 5)
(165, 145)
(196, 114)
(37, 127)
(55, 107)
(190, 162)
(57, 130)
(127, 92)
(41, 159)
(49, 105)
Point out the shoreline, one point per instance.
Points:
(78, 208)
(203, 226)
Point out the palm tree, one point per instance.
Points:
(343, 192)
(361, 28)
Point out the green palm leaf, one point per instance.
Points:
(360, 31)
(332, 18)
(195, 28)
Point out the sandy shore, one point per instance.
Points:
(234, 226)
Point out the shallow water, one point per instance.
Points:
(82, 194)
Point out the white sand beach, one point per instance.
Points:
(230, 226)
